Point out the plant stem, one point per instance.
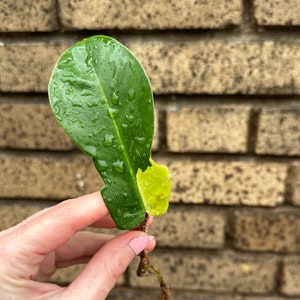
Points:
(145, 267)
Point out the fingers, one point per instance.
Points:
(103, 270)
(80, 248)
(55, 226)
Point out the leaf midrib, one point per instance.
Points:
(126, 154)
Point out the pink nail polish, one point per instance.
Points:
(139, 244)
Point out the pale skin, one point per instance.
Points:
(31, 251)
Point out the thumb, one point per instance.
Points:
(101, 273)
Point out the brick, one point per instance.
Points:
(47, 177)
(216, 67)
(207, 129)
(228, 182)
(263, 298)
(279, 132)
(281, 12)
(174, 66)
(293, 184)
(291, 276)
(87, 14)
(15, 212)
(31, 126)
(156, 137)
(66, 275)
(218, 273)
(146, 294)
(21, 16)
(188, 226)
(271, 230)
(27, 67)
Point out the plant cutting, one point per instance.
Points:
(102, 98)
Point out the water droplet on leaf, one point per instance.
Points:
(113, 112)
(129, 117)
(121, 148)
(90, 150)
(131, 94)
(77, 104)
(119, 166)
(115, 98)
(139, 140)
(101, 165)
(108, 140)
(92, 103)
(125, 126)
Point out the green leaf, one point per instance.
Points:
(101, 96)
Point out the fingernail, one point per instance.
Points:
(139, 244)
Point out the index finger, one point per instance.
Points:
(57, 225)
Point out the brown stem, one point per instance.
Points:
(145, 267)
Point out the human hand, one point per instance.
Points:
(31, 251)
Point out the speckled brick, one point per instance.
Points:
(293, 184)
(27, 67)
(274, 231)
(156, 137)
(220, 67)
(197, 128)
(263, 298)
(190, 227)
(22, 15)
(291, 276)
(43, 177)
(228, 182)
(279, 132)
(31, 126)
(174, 66)
(148, 15)
(12, 212)
(67, 275)
(151, 294)
(218, 273)
(280, 12)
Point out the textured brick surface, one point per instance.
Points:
(31, 126)
(279, 132)
(189, 227)
(262, 298)
(291, 276)
(281, 12)
(107, 14)
(151, 294)
(27, 67)
(293, 184)
(267, 231)
(212, 67)
(207, 129)
(216, 67)
(219, 273)
(47, 177)
(156, 137)
(66, 275)
(24, 15)
(228, 183)
(12, 213)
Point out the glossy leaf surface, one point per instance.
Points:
(101, 96)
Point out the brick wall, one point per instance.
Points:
(226, 78)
